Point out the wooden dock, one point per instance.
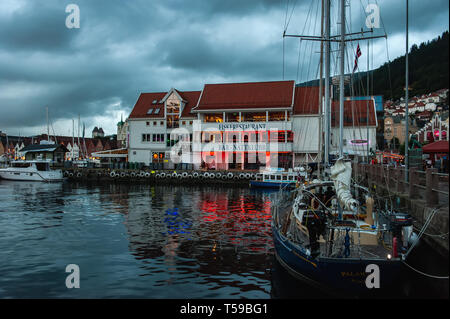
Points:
(425, 192)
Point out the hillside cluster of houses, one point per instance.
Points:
(421, 106)
(422, 110)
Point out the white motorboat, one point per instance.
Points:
(36, 170)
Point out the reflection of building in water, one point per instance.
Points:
(227, 230)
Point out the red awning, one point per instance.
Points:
(436, 147)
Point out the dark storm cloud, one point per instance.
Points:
(124, 48)
(36, 26)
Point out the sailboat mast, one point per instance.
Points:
(48, 126)
(406, 99)
(341, 80)
(73, 136)
(368, 94)
(321, 124)
(327, 81)
(78, 137)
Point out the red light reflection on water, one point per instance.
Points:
(244, 220)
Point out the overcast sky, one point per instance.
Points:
(125, 47)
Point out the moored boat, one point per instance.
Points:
(279, 179)
(35, 170)
(330, 238)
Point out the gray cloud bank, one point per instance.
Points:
(127, 47)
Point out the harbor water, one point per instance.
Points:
(143, 241)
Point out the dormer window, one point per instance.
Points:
(155, 101)
(157, 111)
(150, 111)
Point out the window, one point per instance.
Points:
(162, 123)
(150, 111)
(213, 118)
(148, 123)
(158, 138)
(285, 178)
(276, 116)
(232, 117)
(155, 123)
(184, 122)
(190, 122)
(157, 111)
(254, 117)
(146, 137)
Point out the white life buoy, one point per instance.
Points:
(174, 175)
(195, 175)
(133, 174)
(184, 174)
(230, 175)
(79, 174)
(224, 177)
(66, 173)
(241, 176)
(162, 175)
(122, 174)
(248, 175)
(147, 174)
(218, 175)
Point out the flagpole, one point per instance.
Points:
(406, 99)
(368, 94)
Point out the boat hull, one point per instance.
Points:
(332, 274)
(53, 176)
(275, 185)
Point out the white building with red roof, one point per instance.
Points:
(241, 126)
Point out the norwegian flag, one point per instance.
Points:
(358, 54)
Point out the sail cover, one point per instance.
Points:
(341, 174)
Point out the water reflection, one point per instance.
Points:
(140, 241)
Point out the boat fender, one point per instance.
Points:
(206, 175)
(241, 176)
(162, 175)
(147, 174)
(195, 175)
(133, 174)
(224, 177)
(236, 177)
(248, 175)
(230, 175)
(184, 174)
(122, 174)
(394, 247)
(174, 175)
(218, 175)
(70, 174)
(66, 174)
(79, 174)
